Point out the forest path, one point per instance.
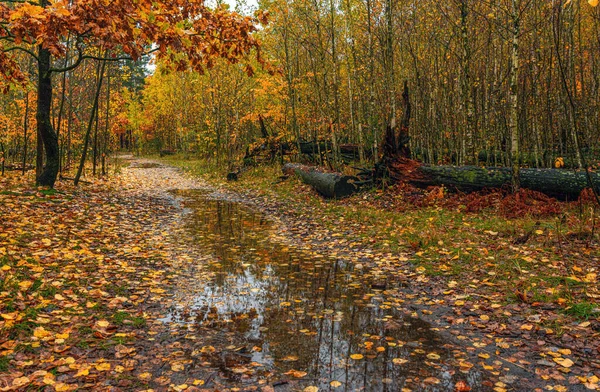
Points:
(157, 280)
(262, 299)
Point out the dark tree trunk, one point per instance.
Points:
(25, 129)
(94, 112)
(48, 175)
(330, 185)
(2, 157)
(553, 182)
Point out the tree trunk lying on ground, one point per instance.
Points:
(330, 185)
(552, 182)
(557, 183)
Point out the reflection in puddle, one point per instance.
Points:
(297, 310)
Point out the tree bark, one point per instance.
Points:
(552, 182)
(90, 123)
(329, 185)
(25, 129)
(48, 175)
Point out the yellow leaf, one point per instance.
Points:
(433, 356)
(335, 383)
(5, 267)
(357, 356)
(9, 316)
(177, 367)
(593, 3)
(24, 285)
(399, 361)
(102, 323)
(310, 389)
(296, 373)
(145, 376)
(60, 387)
(41, 333)
(564, 362)
(207, 350)
(83, 372)
(20, 381)
(102, 367)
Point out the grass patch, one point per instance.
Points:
(122, 318)
(4, 363)
(583, 310)
(48, 291)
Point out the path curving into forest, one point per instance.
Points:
(272, 301)
(159, 280)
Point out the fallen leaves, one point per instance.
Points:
(295, 373)
(89, 296)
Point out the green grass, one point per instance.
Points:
(48, 291)
(4, 363)
(583, 310)
(122, 318)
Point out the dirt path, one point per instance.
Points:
(163, 282)
(404, 332)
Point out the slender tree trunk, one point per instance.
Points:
(514, 97)
(466, 88)
(25, 130)
(95, 145)
(336, 91)
(2, 157)
(100, 74)
(371, 111)
(106, 138)
(46, 134)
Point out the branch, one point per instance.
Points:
(81, 57)
(72, 66)
(23, 50)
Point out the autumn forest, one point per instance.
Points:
(299, 195)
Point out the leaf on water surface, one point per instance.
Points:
(295, 373)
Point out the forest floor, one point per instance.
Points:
(155, 279)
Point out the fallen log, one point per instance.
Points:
(330, 185)
(557, 183)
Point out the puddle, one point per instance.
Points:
(293, 310)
